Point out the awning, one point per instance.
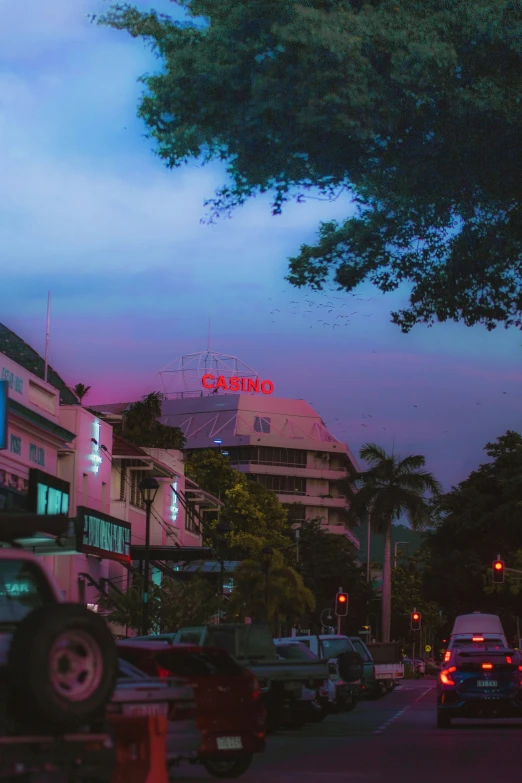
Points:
(43, 534)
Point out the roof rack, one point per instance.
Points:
(18, 526)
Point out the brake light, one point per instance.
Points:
(487, 665)
(508, 659)
(163, 673)
(445, 678)
(477, 639)
(447, 656)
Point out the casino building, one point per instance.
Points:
(220, 403)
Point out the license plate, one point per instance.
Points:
(157, 708)
(229, 743)
(487, 683)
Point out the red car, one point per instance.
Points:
(229, 712)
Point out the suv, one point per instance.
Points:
(476, 629)
(58, 671)
(480, 681)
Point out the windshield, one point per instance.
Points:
(332, 648)
(295, 652)
(23, 588)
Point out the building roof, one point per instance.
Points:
(20, 352)
(123, 448)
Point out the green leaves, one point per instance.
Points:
(141, 425)
(417, 112)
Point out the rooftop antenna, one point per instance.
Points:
(47, 333)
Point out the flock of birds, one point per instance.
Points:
(327, 309)
(334, 311)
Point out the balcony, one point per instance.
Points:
(312, 500)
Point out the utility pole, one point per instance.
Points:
(338, 618)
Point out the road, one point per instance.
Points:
(392, 740)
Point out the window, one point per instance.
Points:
(262, 424)
(296, 513)
(135, 496)
(191, 523)
(22, 589)
(267, 455)
(284, 485)
(85, 489)
(198, 664)
(295, 652)
(361, 649)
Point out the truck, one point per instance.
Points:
(252, 645)
(330, 646)
(58, 669)
(388, 664)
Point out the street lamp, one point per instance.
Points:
(266, 554)
(397, 545)
(222, 529)
(148, 487)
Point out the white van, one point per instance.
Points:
(477, 629)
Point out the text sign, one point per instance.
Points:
(3, 414)
(235, 384)
(13, 381)
(47, 494)
(102, 535)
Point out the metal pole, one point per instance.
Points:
(221, 592)
(47, 334)
(368, 546)
(338, 618)
(297, 545)
(145, 624)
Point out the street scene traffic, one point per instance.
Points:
(211, 212)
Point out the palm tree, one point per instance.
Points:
(81, 391)
(389, 488)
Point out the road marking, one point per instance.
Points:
(401, 712)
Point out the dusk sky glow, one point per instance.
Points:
(91, 214)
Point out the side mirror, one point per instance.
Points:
(350, 665)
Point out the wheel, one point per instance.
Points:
(62, 667)
(443, 720)
(349, 703)
(228, 766)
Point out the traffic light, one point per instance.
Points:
(341, 604)
(498, 571)
(415, 621)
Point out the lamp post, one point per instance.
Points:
(148, 487)
(266, 553)
(223, 529)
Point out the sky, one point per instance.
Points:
(88, 212)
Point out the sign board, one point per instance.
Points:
(101, 535)
(3, 414)
(428, 648)
(47, 494)
(248, 385)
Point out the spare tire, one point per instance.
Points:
(62, 667)
(350, 666)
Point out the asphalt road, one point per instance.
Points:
(392, 740)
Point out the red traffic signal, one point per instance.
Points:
(415, 621)
(341, 604)
(498, 571)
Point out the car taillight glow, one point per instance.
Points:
(445, 678)
(487, 665)
(508, 659)
(477, 639)
(163, 673)
(447, 656)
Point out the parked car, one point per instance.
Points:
(370, 686)
(332, 648)
(229, 710)
(139, 694)
(315, 703)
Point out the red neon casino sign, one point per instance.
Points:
(248, 385)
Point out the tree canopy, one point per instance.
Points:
(141, 425)
(254, 513)
(414, 109)
(478, 519)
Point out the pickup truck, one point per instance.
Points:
(58, 672)
(388, 664)
(330, 646)
(252, 645)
